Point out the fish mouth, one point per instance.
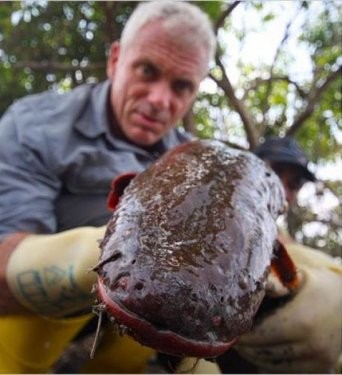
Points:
(164, 341)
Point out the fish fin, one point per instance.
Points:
(118, 187)
(283, 267)
(282, 282)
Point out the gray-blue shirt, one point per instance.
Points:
(58, 158)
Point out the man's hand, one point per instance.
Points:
(50, 274)
(304, 335)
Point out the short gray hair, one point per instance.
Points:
(176, 15)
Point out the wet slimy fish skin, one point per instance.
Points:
(187, 251)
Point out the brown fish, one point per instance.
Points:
(188, 249)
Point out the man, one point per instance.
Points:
(304, 334)
(289, 162)
(58, 156)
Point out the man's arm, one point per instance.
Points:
(8, 303)
(29, 184)
(28, 188)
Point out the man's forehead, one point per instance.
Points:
(156, 43)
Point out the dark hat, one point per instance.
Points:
(284, 150)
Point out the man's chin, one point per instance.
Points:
(144, 138)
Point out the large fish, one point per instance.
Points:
(189, 247)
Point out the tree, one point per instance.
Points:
(57, 45)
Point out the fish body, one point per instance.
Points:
(189, 246)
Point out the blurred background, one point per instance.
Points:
(277, 72)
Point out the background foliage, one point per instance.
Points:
(58, 45)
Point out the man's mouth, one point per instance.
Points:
(149, 116)
(147, 122)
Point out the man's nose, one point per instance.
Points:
(160, 95)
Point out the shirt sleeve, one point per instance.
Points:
(28, 186)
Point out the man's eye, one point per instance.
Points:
(182, 86)
(147, 71)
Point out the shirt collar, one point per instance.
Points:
(93, 121)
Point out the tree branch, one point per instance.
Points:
(227, 87)
(258, 81)
(313, 99)
(189, 122)
(265, 105)
(220, 20)
(237, 104)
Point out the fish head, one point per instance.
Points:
(187, 252)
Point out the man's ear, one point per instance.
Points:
(112, 59)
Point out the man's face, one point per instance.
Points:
(154, 82)
(292, 179)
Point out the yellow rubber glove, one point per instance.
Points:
(32, 344)
(191, 365)
(118, 354)
(50, 274)
(304, 335)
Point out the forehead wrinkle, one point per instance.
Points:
(171, 59)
